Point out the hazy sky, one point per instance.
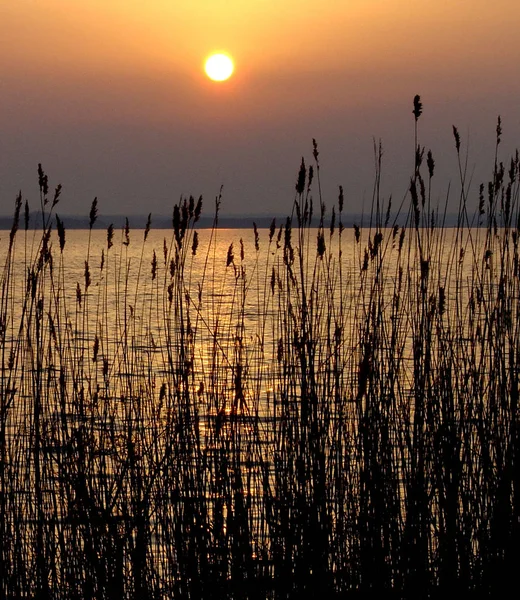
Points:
(110, 96)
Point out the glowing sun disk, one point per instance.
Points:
(219, 67)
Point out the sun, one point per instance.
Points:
(219, 67)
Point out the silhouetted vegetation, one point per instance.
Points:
(322, 411)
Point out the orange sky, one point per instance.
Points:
(111, 96)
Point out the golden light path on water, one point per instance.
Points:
(228, 290)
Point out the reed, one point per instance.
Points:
(320, 410)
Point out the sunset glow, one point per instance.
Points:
(126, 80)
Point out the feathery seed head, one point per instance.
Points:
(154, 265)
(311, 177)
(88, 281)
(456, 135)
(93, 213)
(61, 232)
(126, 241)
(57, 193)
(230, 257)
(43, 181)
(431, 163)
(419, 155)
(198, 209)
(272, 228)
(110, 236)
(417, 107)
(357, 232)
(148, 224)
(300, 183)
(315, 152)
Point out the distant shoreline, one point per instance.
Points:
(205, 222)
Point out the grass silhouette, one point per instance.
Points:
(321, 411)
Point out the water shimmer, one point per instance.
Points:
(259, 414)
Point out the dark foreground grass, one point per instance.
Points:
(349, 429)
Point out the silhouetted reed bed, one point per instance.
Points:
(320, 411)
